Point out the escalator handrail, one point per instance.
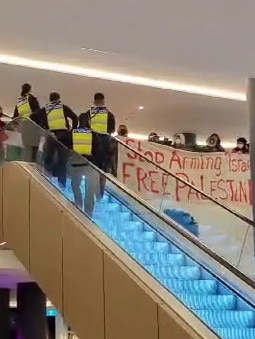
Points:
(152, 210)
(173, 175)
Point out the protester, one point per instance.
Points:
(241, 146)
(123, 131)
(168, 142)
(213, 144)
(153, 137)
(179, 141)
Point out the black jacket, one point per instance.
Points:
(110, 123)
(34, 105)
(40, 118)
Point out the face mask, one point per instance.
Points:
(177, 141)
(240, 146)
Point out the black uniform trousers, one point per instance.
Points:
(56, 155)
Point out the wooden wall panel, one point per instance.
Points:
(46, 220)
(16, 199)
(83, 281)
(130, 311)
(170, 327)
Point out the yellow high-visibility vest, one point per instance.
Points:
(55, 116)
(99, 119)
(82, 141)
(23, 107)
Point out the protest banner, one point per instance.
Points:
(225, 177)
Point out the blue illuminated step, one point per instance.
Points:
(177, 272)
(132, 231)
(124, 216)
(137, 236)
(159, 258)
(226, 319)
(131, 246)
(199, 287)
(133, 226)
(236, 333)
(208, 302)
(110, 207)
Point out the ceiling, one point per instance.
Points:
(166, 112)
(195, 42)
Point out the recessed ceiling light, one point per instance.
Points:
(141, 107)
(126, 78)
(97, 50)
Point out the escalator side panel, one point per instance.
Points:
(98, 296)
(45, 231)
(15, 190)
(119, 304)
(83, 281)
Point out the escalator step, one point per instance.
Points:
(197, 287)
(125, 216)
(110, 207)
(132, 226)
(236, 333)
(162, 247)
(117, 231)
(208, 302)
(227, 319)
(137, 236)
(159, 258)
(176, 272)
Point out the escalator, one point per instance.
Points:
(213, 290)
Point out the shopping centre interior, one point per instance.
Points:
(167, 248)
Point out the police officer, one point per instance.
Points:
(55, 118)
(26, 104)
(85, 143)
(101, 121)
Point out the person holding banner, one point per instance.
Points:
(241, 146)
(213, 144)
